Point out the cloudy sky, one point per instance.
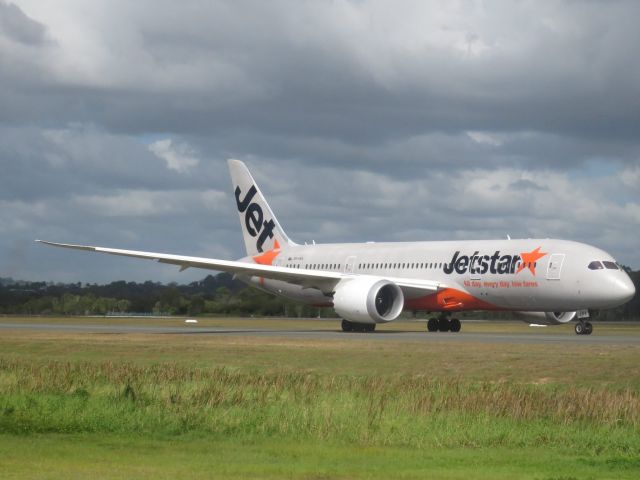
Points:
(361, 120)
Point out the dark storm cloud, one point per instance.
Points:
(339, 70)
(360, 120)
(17, 26)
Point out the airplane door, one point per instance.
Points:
(555, 266)
(349, 264)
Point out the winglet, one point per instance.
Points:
(68, 245)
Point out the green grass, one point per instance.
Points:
(160, 406)
(111, 456)
(65, 397)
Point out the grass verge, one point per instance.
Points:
(115, 456)
(142, 406)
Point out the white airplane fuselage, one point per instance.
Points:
(532, 274)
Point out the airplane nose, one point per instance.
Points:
(624, 289)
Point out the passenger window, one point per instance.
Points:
(595, 265)
(610, 265)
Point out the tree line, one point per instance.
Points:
(219, 294)
(214, 295)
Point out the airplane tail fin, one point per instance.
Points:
(260, 228)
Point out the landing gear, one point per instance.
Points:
(348, 326)
(443, 324)
(455, 325)
(583, 328)
(432, 324)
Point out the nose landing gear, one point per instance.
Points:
(583, 328)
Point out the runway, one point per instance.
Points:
(333, 334)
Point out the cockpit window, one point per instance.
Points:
(595, 265)
(610, 265)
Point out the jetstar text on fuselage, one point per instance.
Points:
(482, 264)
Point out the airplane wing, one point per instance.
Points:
(323, 280)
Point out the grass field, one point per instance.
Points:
(159, 406)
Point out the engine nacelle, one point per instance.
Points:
(368, 300)
(548, 318)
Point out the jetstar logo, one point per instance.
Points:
(254, 220)
(495, 264)
(269, 256)
(529, 260)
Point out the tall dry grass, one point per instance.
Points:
(414, 410)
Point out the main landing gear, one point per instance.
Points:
(348, 326)
(583, 328)
(443, 324)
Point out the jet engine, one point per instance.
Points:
(548, 318)
(368, 300)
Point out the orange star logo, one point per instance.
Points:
(529, 260)
(269, 256)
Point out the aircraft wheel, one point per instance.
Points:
(371, 327)
(360, 327)
(580, 328)
(455, 325)
(588, 328)
(432, 325)
(444, 325)
(347, 326)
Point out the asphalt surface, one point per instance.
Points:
(387, 335)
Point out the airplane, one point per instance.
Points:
(546, 281)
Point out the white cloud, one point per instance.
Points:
(631, 176)
(179, 157)
(485, 138)
(146, 203)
